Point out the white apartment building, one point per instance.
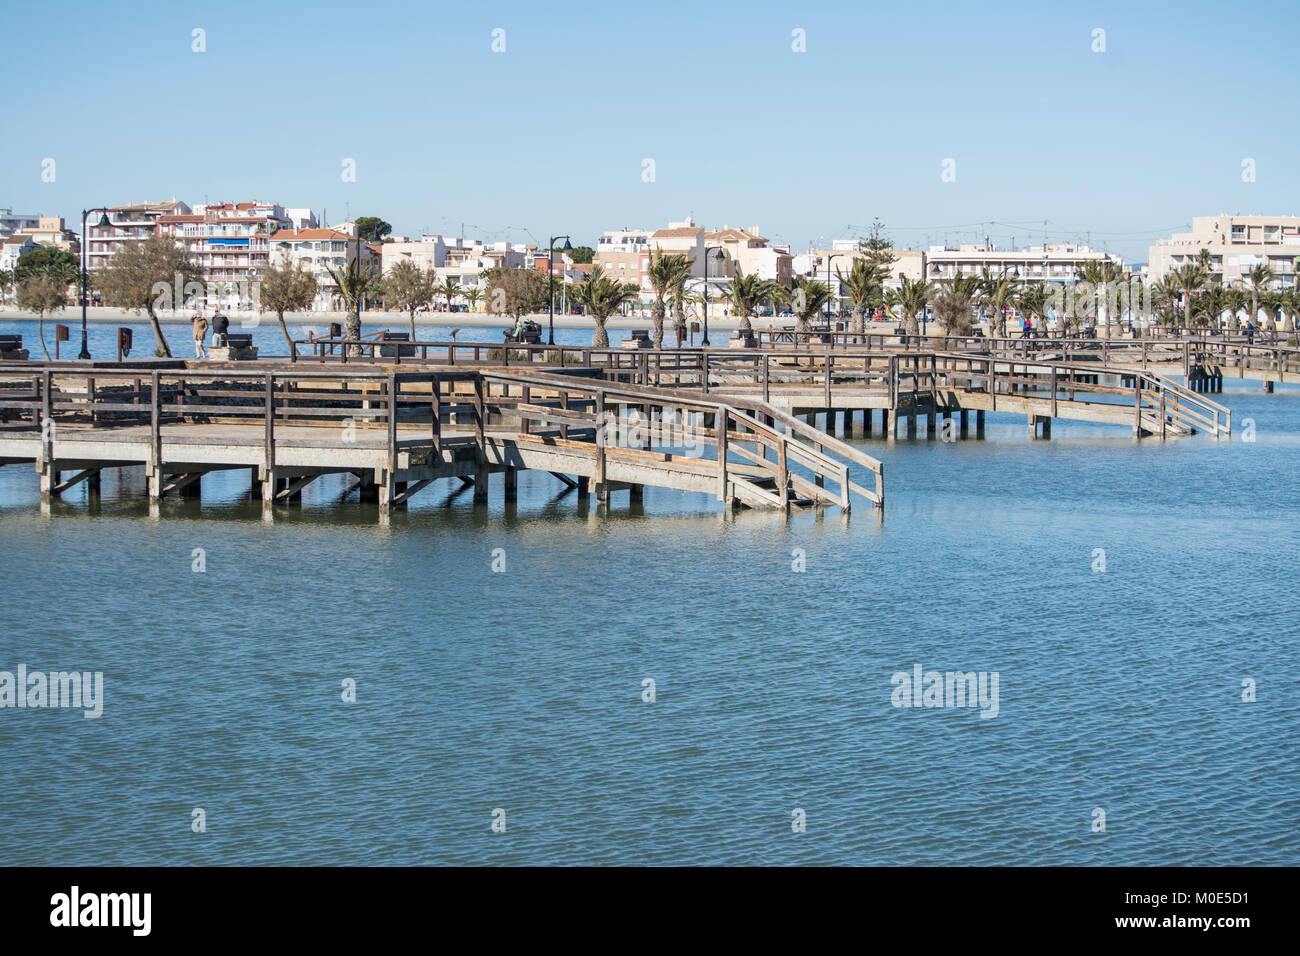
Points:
(317, 251)
(131, 223)
(229, 242)
(1236, 245)
(13, 247)
(427, 252)
(301, 219)
(624, 254)
(11, 222)
(1055, 262)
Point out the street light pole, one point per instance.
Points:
(837, 255)
(704, 342)
(103, 222)
(550, 283)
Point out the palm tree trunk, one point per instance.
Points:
(599, 338)
(412, 325)
(802, 330)
(657, 316)
(859, 319)
(912, 325)
(744, 325)
(352, 331)
(158, 333)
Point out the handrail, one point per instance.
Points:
(384, 400)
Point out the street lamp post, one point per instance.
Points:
(102, 224)
(704, 342)
(836, 255)
(550, 283)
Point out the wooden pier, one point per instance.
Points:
(398, 432)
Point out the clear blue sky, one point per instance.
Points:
(549, 136)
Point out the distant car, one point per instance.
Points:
(422, 308)
(787, 314)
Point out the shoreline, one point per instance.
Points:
(103, 315)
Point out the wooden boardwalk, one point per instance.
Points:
(1121, 382)
(398, 432)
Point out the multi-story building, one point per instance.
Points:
(826, 265)
(317, 251)
(1055, 262)
(1236, 245)
(14, 247)
(466, 260)
(624, 254)
(427, 252)
(750, 253)
(51, 232)
(11, 222)
(227, 241)
(132, 223)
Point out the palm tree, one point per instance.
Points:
(746, 292)
(999, 293)
(910, 298)
(6, 283)
(954, 304)
(860, 287)
(353, 281)
(666, 273)
(1101, 274)
(808, 298)
(1188, 280)
(472, 294)
(1260, 277)
(1032, 302)
(681, 297)
(1234, 300)
(600, 297)
(449, 289)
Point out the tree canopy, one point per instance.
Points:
(372, 228)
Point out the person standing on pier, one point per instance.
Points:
(200, 335)
(220, 324)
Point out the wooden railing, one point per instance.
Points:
(759, 454)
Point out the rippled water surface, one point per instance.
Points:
(522, 690)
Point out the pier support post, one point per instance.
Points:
(512, 483)
(929, 423)
(269, 483)
(911, 424)
(368, 490)
(889, 424)
(480, 484)
(584, 488)
(866, 423)
(155, 483)
(962, 424)
(1268, 388)
(979, 424)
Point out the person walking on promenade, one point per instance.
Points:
(200, 335)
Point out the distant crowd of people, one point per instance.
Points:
(220, 327)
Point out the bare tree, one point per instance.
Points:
(40, 293)
(288, 288)
(145, 275)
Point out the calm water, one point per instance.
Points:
(522, 690)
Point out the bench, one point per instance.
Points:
(237, 347)
(398, 350)
(11, 348)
